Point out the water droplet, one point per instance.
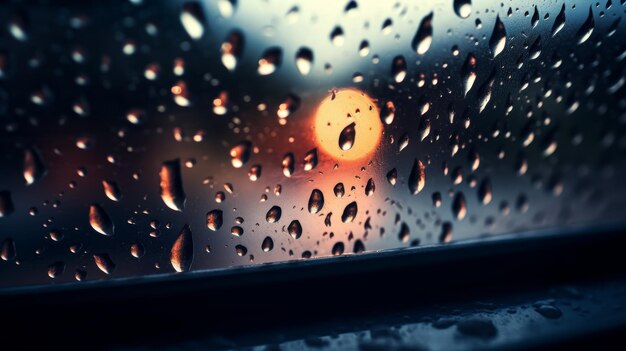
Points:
(339, 190)
(288, 164)
(6, 203)
(388, 113)
(364, 48)
(484, 92)
(295, 229)
(497, 42)
(172, 192)
(240, 154)
(214, 220)
(255, 173)
(559, 21)
(241, 250)
(316, 201)
(370, 187)
(392, 176)
(424, 36)
(231, 50)
(273, 215)
(56, 269)
(34, 167)
(548, 311)
(304, 60)
(347, 136)
(181, 253)
(18, 26)
(338, 249)
(349, 213)
(100, 220)
(468, 72)
(535, 18)
(227, 7)
(484, 192)
(104, 263)
(405, 233)
(192, 18)
(7, 249)
(535, 49)
(463, 8)
(267, 245)
(459, 207)
(417, 178)
(586, 29)
(111, 190)
(310, 160)
(398, 68)
(137, 250)
(270, 61)
(236, 231)
(446, 232)
(337, 37)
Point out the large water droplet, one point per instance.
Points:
(172, 192)
(267, 245)
(7, 249)
(304, 60)
(310, 160)
(559, 21)
(347, 136)
(240, 154)
(370, 187)
(111, 190)
(497, 42)
(270, 61)
(104, 263)
(100, 220)
(424, 36)
(398, 68)
(181, 253)
(214, 220)
(295, 229)
(337, 37)
(463, 8)
(192, 18)
(586, 29)
(417, 178)
(231, 50)
(273, 215)
(459, 207)
(338, 249)
(316, 201)
(349, 213)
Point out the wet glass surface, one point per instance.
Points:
(148, 137)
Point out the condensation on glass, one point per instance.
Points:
(146, 137)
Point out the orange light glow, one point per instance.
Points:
(347, 125)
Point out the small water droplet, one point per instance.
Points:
(370, 187)
(111, 190)
(104, 263)
(267, 245)
(304, 60)
(459, 207)
(398, 68)
(586, 29)
(405, 233)
(349, 213)
(468, 72)
(56, 269)
(214, 220)
(270, 61)
(338, 249)
(6, 203)
(310, 160)
(463, 8)
(295, 229)
(231, 50)
(497, 42)
(337, 37)
(34, 167)
(240, 154)
(347, 137)
(273, 215)
(288, 164)
(7, 249)
(241, 250)
(192, 18)
(559, 21)
(417, 177)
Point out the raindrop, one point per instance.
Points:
(7, 249)
(370, 187)
(231, 50)
(100, 220)
(255, 173)
(337, 36)
(498, 38)
(349, 213)
(268, 244)
(459, 207)
(417, 178)
(273, 215)
(405, 233)
(463, 8)
(56, 269)
(241, 250)
(171, 183)
(535, 49)
(192, 18)
(236, 231)
(398, 68)
(339, 190)
(288, 164)
(137, 250)
(214, 220)
(240, 154)
(392, 176)
(484, 192)
(586, 29)
(535, 19)
(446, 232)
(227, 7)
(111, 190)
(289, 105)
(18, 26)
(310, 160)
(338, 249)
(388, 113)
(468, 72)
(559, 21)
(104, 263)
(270, 61)
(347, 136)
(6, 203)
(295, 229)
(34, 167)
(424, 35)
(181, 253)
(484, 92)
(304, 60)
(359, 247)
(316, 201)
